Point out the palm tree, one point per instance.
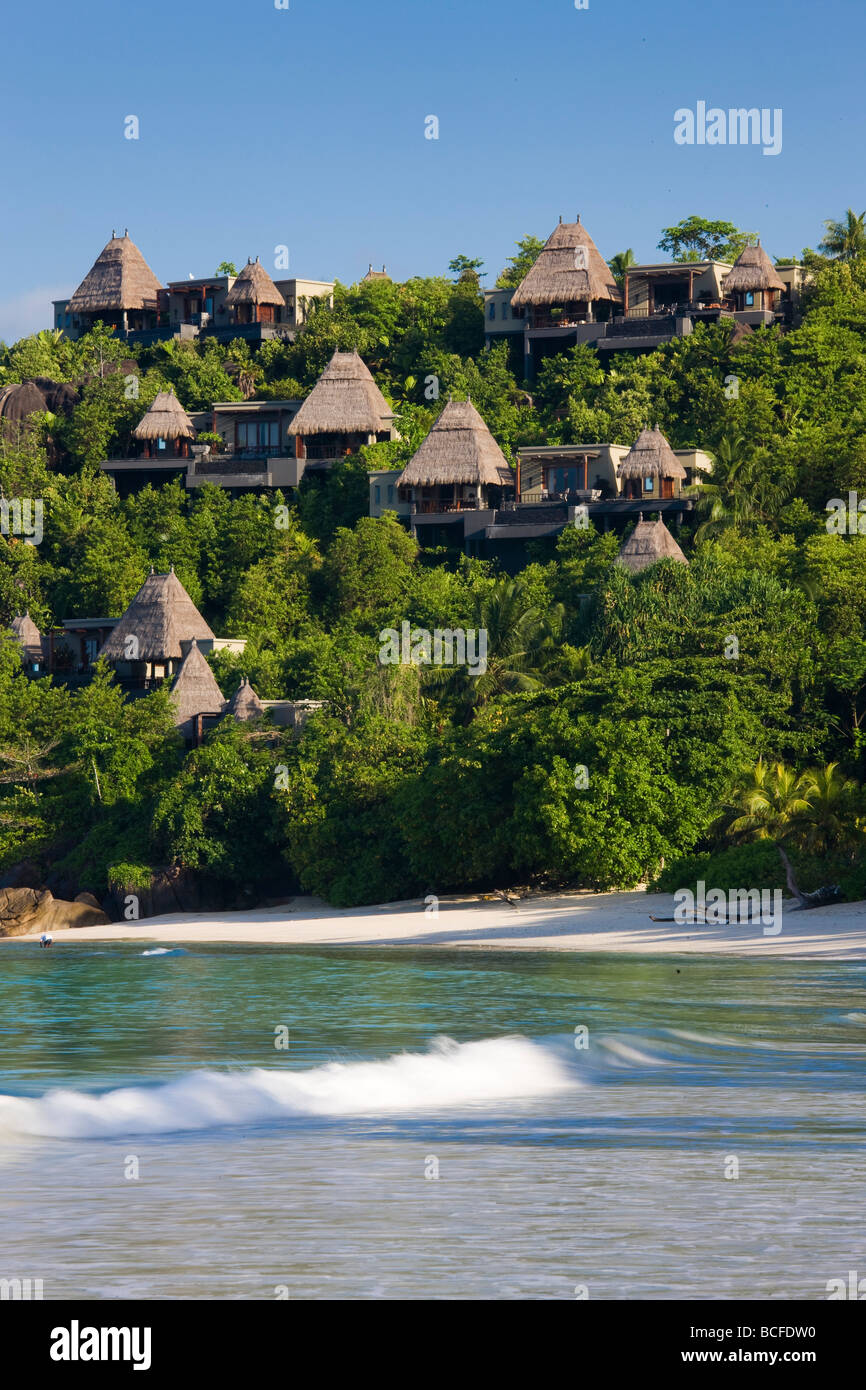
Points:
(620, 263)
(772, 804)
(740, 493)
(814, 810)
(521, 645)
(831, 822)
(847, 239)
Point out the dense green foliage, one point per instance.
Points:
(415, 780)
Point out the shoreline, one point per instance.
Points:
(577, 921)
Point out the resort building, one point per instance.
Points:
(754, 286)
(254, 298)
(198, 701)
(147, 645)
(649, 542)
(458, 469)
(584, 473)
(375, 274)
(29, 639)
(165, 430)
(245, 703)
(162, 442)
(385, 496)
(120, 290)
(651, 469)
(344, 411)
(605, 485)
(197, 304)
(200, 704)
(564, 295)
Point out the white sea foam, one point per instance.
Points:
(448, 1076)
(166, 951)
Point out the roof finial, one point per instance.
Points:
(578, 217)
(113, 234)
(171, 569)
(560, 219)
(126, 231)
(152, 570)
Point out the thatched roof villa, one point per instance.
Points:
(245, 703)
(649, 542)
(458, 467)
(165, 427)
(569, 283)
(254, 297)
(344, 411)
(147, 642)
(120, 289)
(196, 695)
(754, 282)
(29, 639)
(651, 468)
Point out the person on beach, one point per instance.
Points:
(45, 940)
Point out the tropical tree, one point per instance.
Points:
(620, 263)
(529, 248)
(813, 810)
(465, 268)
(845, 240)
(520, 637)
(740, 492)
(700, 239)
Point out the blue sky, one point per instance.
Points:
(305, 127)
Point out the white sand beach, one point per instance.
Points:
(569, 921)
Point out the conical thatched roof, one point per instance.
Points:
(165, 418)
(752, 270)
(458, 449)
(345, 400)
(161, 616)
(555, 277)
(649, 542)
(254, 286)
(245, 703)
(651, 456)
(120, 279)
(28, 635)
(195, 691)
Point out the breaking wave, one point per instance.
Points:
(449, 1075)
